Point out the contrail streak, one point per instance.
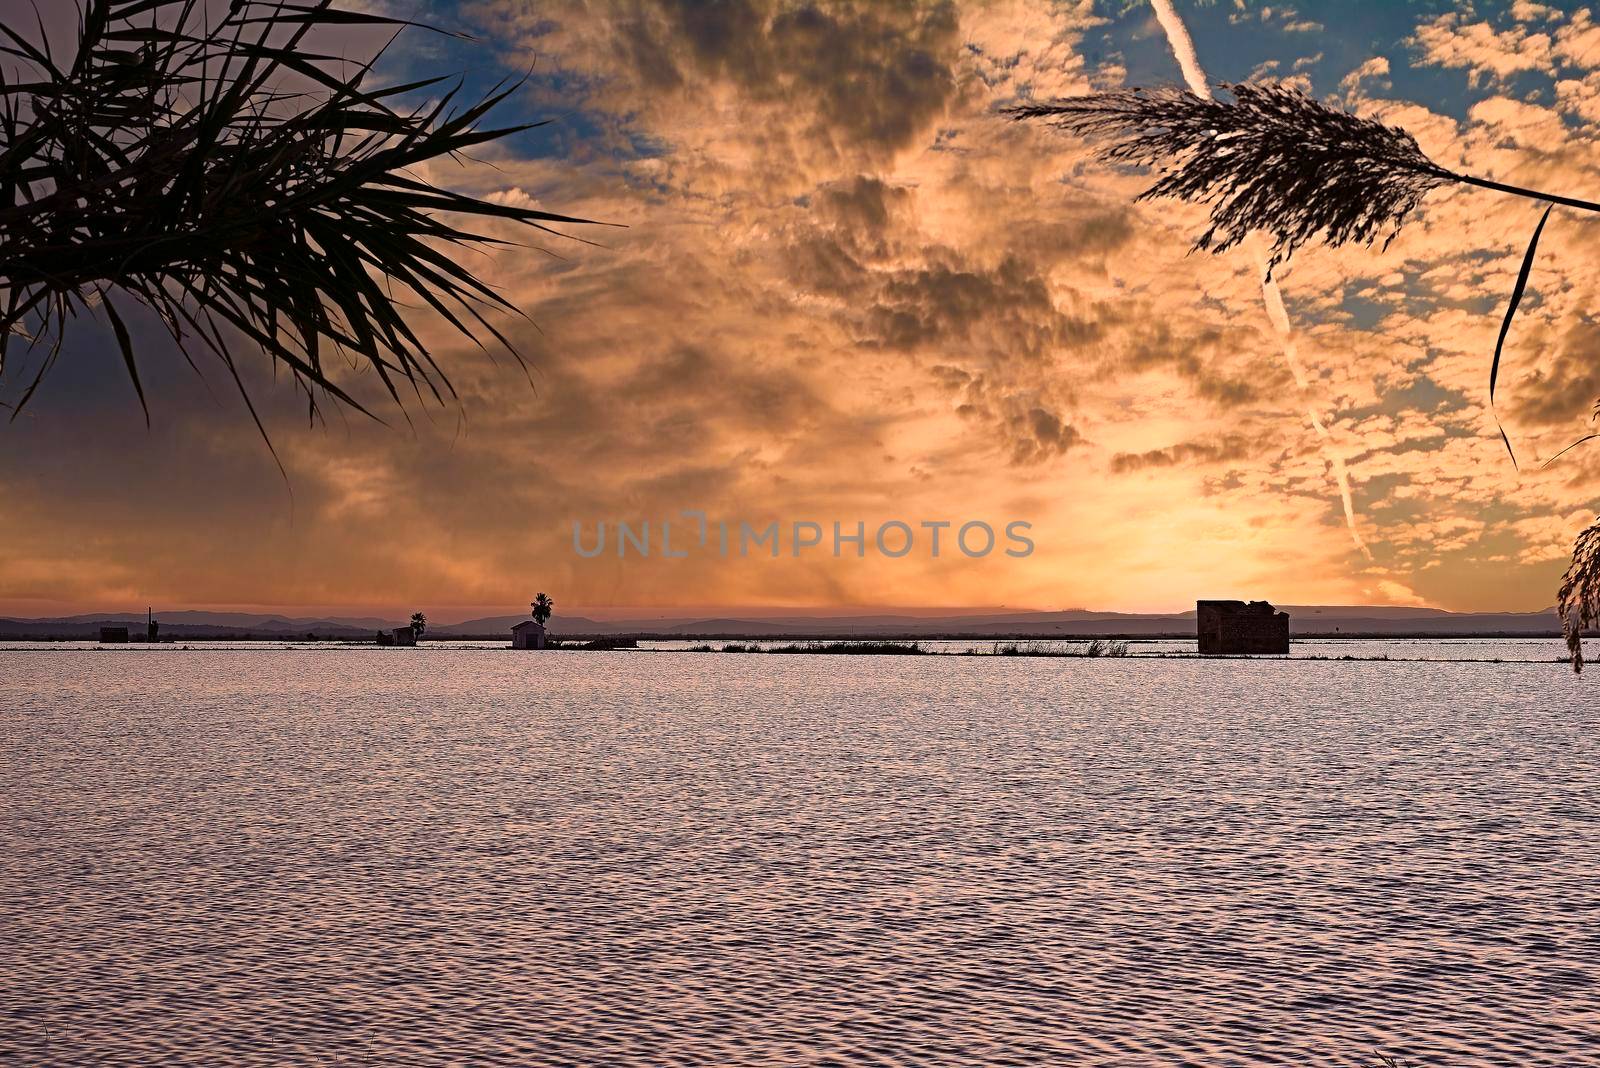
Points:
(1182, 46)
(1280, 320)
(1189, 62)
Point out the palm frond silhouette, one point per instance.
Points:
(168, 163)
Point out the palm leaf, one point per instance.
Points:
(169, 163)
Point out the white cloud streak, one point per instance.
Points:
(1183, 51)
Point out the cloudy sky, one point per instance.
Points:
(845, 289)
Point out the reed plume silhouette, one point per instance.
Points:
(1273, 159)
(243, 186)
(1270, 159)
(1578, 601)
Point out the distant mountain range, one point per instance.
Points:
(1304, 621)
(195, 625)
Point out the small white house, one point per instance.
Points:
(527, 635)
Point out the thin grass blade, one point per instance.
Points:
(1505, 328)
(125, 343)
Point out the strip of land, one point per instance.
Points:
(1305, 621)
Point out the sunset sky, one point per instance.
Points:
(847, 289)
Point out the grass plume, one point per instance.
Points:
(1271, 159)
(1578, 601)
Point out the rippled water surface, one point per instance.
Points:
(455, 856)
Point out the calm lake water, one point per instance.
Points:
(469, 856)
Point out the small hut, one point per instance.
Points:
(1234, 628)
(527, 635)
(405, 636)
(113, 635)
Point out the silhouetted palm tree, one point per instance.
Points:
(542, 607)
(419, 623)
(170, 163)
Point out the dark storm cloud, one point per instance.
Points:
(709, 387)
(994, 323)
(951, 300)
(874, 73)
(1038, 435)
(863, 205)
(1195, 354)
(1570, 386)
(1020, 421)
(1079, 239)
(1231, 448)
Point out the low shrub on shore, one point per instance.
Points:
(871, 648)
(1097, 647)
(594, 643)
(865, 648)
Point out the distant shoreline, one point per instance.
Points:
(861, 624)
(816, 636)
(783, 648)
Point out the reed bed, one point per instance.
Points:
(1098, 647)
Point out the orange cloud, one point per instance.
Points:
(850, 290)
